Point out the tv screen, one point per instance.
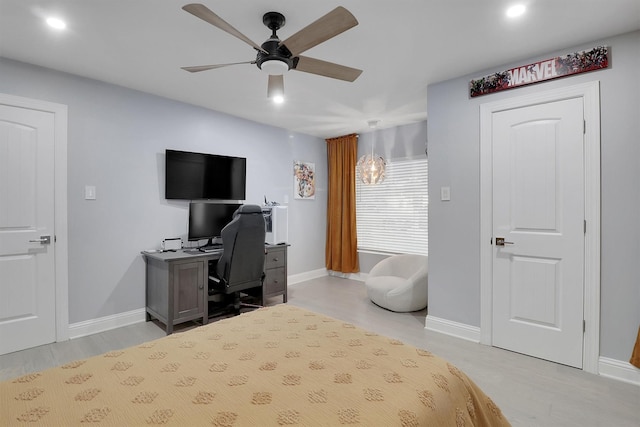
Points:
(206, 220)
(194, 176)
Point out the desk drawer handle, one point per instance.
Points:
(275, 259)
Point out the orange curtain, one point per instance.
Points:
(341, 252)
(635, 356)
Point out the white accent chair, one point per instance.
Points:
(399, 283)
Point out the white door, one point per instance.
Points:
(27, 260)
(538, 209)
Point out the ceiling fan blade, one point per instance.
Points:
(330, 25)
(199, 68)
(275, 86)
(327, 69)
(204, 13)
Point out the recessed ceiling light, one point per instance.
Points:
(516, 10)
(56, 23)
(278, 99)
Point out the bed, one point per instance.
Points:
(275, 366)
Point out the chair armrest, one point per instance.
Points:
(382, 268)
(419, 275)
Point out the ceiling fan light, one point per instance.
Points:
(274, 67)
(56, 23)
(516, 10)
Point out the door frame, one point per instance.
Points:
(590, 93)
(60, 243)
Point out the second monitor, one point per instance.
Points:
(206, 221)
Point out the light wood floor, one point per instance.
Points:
(531, 392)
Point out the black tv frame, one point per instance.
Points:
(201, 176)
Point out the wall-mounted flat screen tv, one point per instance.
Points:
(195, 176)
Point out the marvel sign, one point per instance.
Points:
(560, 66)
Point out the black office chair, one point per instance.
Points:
(241, 267)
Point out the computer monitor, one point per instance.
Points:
(206, 220)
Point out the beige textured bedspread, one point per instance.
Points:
(280, 365)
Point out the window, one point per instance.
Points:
(392, 217)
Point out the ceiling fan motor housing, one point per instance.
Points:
(278, 58)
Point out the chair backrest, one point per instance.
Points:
(242, 263)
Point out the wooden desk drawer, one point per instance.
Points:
(274, 281)
(274, 258)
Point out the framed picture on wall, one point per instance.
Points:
(304, 182)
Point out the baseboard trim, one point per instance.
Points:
(611, 368)
(307, 275)
(322, 272)
(360, 277)
(351, 276)
(455, 329)
(102, 324)
(619, 370)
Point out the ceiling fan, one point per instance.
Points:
(276, 57)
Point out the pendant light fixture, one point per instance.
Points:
(371, 167)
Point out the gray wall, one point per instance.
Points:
(116, 141)
(395, 143)
(454, 227)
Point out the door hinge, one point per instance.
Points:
(584, 326)
(584, 127)
(585, 226)
(55, 238)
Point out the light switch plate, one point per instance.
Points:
(445, 194)
(89, 192)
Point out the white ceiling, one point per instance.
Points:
(402, 46)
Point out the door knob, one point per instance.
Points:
(500, 242)
(45, 240)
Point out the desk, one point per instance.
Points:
(177, 283)
(275, 272)
(176, 286)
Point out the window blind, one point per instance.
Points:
(392, 217)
